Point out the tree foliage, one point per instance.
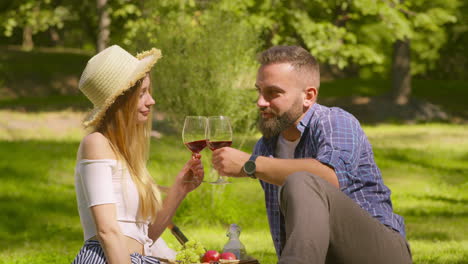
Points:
(40, 15)
(339, 32)
(355, 32)
(208, 58)
(453, 62)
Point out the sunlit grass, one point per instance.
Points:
(426, 168)
(58, 125)
(424, 165)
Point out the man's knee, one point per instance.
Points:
(300, 179)
(301, 183)
(296, 178)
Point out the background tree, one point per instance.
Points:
(32, 16)
(426, 20)
(401, 72)
(359, 35)
(104, 25)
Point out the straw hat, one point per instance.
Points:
(110, 73)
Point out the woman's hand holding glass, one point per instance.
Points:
(191, 175)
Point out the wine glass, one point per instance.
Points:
(219, 135)
(194, 133)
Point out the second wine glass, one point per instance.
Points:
(219, 135)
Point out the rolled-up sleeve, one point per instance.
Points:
(339, 144)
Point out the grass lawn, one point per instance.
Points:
(424, 165)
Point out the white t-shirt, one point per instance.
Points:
(285, 150)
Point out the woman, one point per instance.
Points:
(120, 206)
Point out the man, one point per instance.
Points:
(324, 194)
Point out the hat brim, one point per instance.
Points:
(147, 60)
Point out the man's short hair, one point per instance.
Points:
(298, 57)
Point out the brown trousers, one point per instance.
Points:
(323, 225)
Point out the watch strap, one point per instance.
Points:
(253, 157)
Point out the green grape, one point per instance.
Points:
(190, 252)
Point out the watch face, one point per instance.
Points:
(250, 167)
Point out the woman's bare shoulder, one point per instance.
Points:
(95, 146)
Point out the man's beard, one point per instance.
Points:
(273, 126)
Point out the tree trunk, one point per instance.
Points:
(104, 25)
(55, 37)
(401, 72)
(28, 43)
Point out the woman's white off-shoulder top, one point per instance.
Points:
(107, 181)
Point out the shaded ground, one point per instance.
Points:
(380, 109)
(369, 110)
(41, 72)
(366, 98)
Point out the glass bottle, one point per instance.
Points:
(234, 245)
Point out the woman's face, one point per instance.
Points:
(145, 101)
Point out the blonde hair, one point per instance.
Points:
(130, 141)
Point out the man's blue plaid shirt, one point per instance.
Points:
(334, 137)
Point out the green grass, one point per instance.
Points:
(424, 165)
(426, 168)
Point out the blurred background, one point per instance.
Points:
(400, 66)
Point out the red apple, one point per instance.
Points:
(228, 255)
(211, 255)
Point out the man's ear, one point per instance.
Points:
(310, 96)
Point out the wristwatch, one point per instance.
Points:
(250, 167)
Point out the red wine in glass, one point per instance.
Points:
(219, 134)
(213, 145)
(194, 134)
(196, 146)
